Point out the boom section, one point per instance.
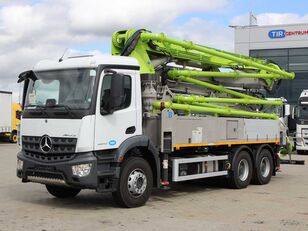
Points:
(220, 72)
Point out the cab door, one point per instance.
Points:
(111, 129)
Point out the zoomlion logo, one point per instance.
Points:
(276, 34)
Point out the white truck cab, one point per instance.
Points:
(300, 114)
(68, 118)
(73, 90)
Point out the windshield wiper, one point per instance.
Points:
(67, 109)
(40, 107)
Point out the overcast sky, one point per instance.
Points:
(42, 29)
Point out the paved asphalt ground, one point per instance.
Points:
(280, 205)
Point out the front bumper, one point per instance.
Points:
(301, 143)
(102, 177)
(302, 147)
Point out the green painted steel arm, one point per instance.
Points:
(202, 99)
(146, 43)
(219, 88)
(148, 48)
(240, 60)
(218, 111)
(234, 74)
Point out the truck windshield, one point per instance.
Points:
(303, 112)
(72, 88)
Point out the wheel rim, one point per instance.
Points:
(265, 167)
(136, 183)
(14, 138)
(243, 169)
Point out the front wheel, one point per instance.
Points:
(135, 183)
(62, 192)
(241, 175)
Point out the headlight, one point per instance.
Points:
(81, 170)
(20, 165)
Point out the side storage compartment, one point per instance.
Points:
(232, 129)
(190, 168)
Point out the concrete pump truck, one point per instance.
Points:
(158, 110)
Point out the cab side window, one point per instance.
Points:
(105, 92)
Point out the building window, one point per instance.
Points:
(293, 60)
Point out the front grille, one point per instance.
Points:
(59, 145)
(49, 157)
(61, 148)
(303, 122)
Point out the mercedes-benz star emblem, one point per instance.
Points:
(45, 144)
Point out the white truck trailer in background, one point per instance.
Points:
(5, 112)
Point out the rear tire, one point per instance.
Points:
(262, 174)
(241, 174)
(135, 183)
(62, 192)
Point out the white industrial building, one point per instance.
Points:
(286, 45)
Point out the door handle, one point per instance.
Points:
(130, 130)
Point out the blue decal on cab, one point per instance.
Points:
(112, 142)
(170, 114)
(273, 34)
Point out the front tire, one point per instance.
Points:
(135, 183)
(62, 192)
(13, 137)
(241, 175)
(264, 168)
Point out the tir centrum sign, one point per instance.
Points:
(275, 34)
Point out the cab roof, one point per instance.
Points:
(87, 61)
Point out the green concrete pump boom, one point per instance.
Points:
(156, 50)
